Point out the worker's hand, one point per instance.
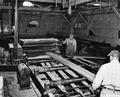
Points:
(97, 92)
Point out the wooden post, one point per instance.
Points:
(1, 22)
(56, 3)
(16, 30)
(9, 20)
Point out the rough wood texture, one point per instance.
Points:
(73, 66)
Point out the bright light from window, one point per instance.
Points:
(97, 4)
(26, 3)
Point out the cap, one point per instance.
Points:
(114, 53)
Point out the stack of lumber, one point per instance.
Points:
(34, 47)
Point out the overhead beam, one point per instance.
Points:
(5, 7)
(46, 1)
(74, 3)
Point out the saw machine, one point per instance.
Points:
(55, 76)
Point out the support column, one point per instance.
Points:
(10, 21)
(16, 31)
(1, 21)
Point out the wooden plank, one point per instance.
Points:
(66, 77)
(76, 76)
(40, 40)
(78, 69)
(46, 1)
(92, 57)
(54, 77)
(84, 60)
(83, 82)
(38, 69)
(73, 3)
(90, 65)
(72, 85)
(39, 57)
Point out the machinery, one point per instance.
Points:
(23, 75)
(53, 75)
(58, 77)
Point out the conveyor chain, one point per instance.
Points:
(60, 78)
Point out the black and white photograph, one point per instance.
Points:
(59, 48)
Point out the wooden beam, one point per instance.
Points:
(116, 12)
(5, 7)
(46, 1)
(32, 9)
(55, 77)
(73, 3)
(16, 30)
(73, 85)
(78, 69)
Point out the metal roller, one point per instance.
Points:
(39, 41)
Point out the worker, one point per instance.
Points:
(108, 76)
(70, 46)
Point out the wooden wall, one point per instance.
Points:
(48, 24)
(106, 27)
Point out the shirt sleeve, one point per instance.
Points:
(64, 42)
(75, 44)
(98, 78)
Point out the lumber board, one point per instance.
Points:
(42, 40)
(83, 82)
(55, 77)
(38, 69)
(84, 60)
(39, 57)
(91, 57)
(72, 84)
(89, 65)
(90, 76)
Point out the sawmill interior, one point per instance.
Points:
(33, 46)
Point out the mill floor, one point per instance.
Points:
(12, 89)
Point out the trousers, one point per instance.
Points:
(109, 93)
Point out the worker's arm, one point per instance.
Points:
(98, 79)
(75, 44)
(64, 42)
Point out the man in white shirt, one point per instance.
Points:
(71, 46)
(109, 76)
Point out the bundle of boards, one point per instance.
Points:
(34, 47)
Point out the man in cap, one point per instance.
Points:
(108, 76)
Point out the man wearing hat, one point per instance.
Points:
(108, 76)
